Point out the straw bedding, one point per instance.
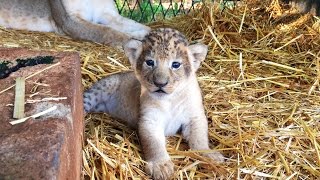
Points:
(260, 84)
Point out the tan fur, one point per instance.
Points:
(160, 113)
(93, 20)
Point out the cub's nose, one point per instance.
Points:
(160, 84)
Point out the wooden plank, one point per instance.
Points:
(19, 100)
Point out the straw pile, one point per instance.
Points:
(261, 91)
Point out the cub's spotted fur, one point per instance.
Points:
(161, 96)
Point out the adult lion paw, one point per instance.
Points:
(160, 170)
(216, 156)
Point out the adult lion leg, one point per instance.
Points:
(78, 28)
(130, 27)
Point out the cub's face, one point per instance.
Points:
(164, 61)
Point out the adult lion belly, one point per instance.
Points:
(31, 15)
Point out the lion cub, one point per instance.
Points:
(161, 96)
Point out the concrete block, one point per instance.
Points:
(47, 147)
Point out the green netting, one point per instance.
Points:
(152, 10)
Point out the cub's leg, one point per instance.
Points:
(152, 138)
(196, 133)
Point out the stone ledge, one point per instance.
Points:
(48, 147)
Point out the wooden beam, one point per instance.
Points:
(19, 100)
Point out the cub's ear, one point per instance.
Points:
(133, 49)
(199, 52)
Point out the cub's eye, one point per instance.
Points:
(175, 65)
(150, 63)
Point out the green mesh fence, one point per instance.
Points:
(152, 10)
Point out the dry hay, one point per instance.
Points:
(260, 84)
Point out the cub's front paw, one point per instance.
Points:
(216, 156)
(160, 170)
